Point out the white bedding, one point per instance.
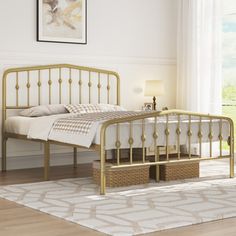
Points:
(39, 128)
(24, 125)
(18, 124)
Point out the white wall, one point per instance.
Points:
(133, 28)
(135, 38)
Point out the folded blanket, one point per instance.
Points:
(81, 129)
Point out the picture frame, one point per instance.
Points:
(148, 106)
(62, 21)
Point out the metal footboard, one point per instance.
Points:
(189, 118)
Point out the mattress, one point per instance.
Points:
(18, 124)
(22, 124)
(161, 126)
(41, 128)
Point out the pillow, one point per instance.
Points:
(110, 107)
(89, 108)
(44, 110)
(83, 108)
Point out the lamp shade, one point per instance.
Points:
(154, 88)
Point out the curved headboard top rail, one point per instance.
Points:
(55, 66)
(58, 83)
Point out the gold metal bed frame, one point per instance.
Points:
(98, 75)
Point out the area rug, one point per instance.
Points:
(141, 209)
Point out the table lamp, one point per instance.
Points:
(154, 88)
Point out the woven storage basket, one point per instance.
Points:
(124, 153)
(121, 177)
(179, 171)
(176, 171)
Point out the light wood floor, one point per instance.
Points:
(17, 220)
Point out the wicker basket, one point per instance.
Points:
(125, 154)
(121, 177)
(179, 171)
(176, 171)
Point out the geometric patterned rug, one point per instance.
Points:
(137, 209)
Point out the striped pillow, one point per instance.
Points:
(83, 108)
(90, 108)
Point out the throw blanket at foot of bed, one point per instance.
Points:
(81, 129)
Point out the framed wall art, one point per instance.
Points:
(62, 21)
(148, 106)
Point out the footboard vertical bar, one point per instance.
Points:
(4, 153)
(99, 87)
(75, 157)
(178, 132)
(200, 136)
(118, 143)
(60, 84)
(131, 141)
(4, 114)
(28, 88)
(49, 86)
(70, 83)
(80, 87)
(220, 137)
(39, 87)
(89, 85)
(46, 160)
(108, 88)
(231, 149)
(167, 132)
(189, 136)
(210, 136)
(156, 153)
(143, 139)
(102, 162)
(17, 89)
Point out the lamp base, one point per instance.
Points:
(154, 103)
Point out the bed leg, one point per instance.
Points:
(157, 173)
(231, 165)
(46, 160)
(75, 157)
(4, 154)
(231, 148)
(158, 166)
(102, 171)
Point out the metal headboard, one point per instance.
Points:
(73, 80)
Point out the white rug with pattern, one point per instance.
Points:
(142, 209)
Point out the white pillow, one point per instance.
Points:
(44, 110)
(110, 107)
(90, 108)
